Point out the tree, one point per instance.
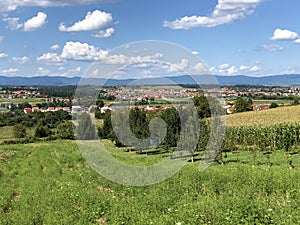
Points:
(65, 130)
(86, 129)
(42, 131)
(273, 105)
(242, 105)
(99, 103)
(172, 119)
(138, 123)
(98, 114)
(19, 131)
(106, 131)
(207, 105)
(202, 105)
(296, 101)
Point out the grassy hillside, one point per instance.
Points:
(7, 133)
(51, 183)
(265, 117)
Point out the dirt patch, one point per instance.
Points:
(44, 168)
(101, 221)
(54, 154)
(103, 189)
(15, 197)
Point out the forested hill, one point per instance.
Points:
(276, 80)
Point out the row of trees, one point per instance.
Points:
(64, 130)
(56, 124)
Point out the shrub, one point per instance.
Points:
(19, 131)
(65, 130)
(42, 131)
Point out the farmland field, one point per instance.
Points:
(288, 114)
(279, 102)
(32, 101)
(51, 183)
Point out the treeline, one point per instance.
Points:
(181, 126)
(63, 92)
(48, 125)
(32, 119)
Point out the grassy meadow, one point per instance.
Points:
(6, 133)
(51, 183)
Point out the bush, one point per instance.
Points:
(42, 131)
(19, 131)
(273, 105)
(65, 130)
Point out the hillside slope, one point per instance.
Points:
(279, 115)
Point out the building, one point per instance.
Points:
(27, 110)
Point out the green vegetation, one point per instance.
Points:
(253, 180)
(273, 105)
(19, 131)
(288, 114)
(50, 183)
(242, 105)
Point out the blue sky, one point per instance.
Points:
(233, 37)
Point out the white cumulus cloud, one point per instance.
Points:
(10, 71)
(50, 58)
(96, 20)
(272, 47)
(243, 68)
(21, 60)
(36, 22)
(226, 11)
(11, 5)
(44, 71)
(255, 69)
(105, 33)
(13, 23)
(226, 69)
(297, 41)
(224, 66)
(55, 47)
(3, 55)
(284, 35)
(82, 51)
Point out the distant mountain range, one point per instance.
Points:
(276, 80)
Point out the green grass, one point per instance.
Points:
(7, 132)
(51, 183)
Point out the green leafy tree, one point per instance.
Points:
(106, 131)
(296, 101)
(86, 129)
(243, 105)
(42, 131)
(65, 130)
(98, 114)
(172, 119)
(138, 123)
(19, 131)
(273, 105)
(99, 103)
(202, 105)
